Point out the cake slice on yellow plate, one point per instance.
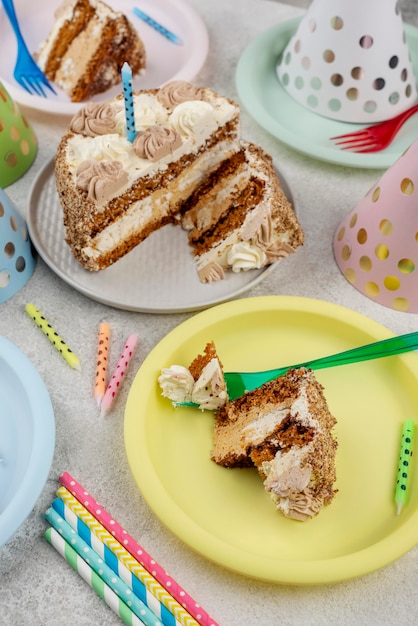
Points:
(284, 429)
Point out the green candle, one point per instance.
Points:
(404, 464)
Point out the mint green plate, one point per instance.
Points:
(277, 112)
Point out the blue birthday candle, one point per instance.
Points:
(157, 26)
(126, 74)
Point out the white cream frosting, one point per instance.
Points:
(287, 475)
(139, 213)
(176, 383)
(209, 391)
(195, 121)
(287, 480)
(255, 432)
(245, 255)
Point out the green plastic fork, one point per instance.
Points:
(238, 383)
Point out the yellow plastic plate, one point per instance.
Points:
(226, 515)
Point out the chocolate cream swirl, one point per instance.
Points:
(156, 142)
(273, 249)
(178, 91)
(93, 120)
(101, 179)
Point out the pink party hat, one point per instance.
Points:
(350, 60)
(376, 245)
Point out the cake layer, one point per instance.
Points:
(115, 193)
(186, 165)
(87, 47)
(284, 429)
(242, 219)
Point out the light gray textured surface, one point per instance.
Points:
(36, 587)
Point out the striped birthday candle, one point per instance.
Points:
(91, 578)
(138, 552)
(111, 559)
(121, 554)
(103, 570)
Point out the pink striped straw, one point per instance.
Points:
(136, 550)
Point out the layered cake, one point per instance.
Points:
(87, 47)
(284, 429)
(240, 218)
(201, 383)
(187, 165)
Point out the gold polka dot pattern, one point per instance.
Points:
(376, 244)
(18, 144)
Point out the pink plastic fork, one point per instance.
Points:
(376, 137)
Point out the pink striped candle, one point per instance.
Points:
(101, 363)
(136, 550)
(118, 374)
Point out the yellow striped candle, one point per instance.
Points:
(53, 336)
(151, 584)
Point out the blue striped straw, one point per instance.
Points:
(102, 569)
(113, 562)
(91, 578)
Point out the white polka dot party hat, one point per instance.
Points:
(349, 60)
(376, 245)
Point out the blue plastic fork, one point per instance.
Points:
(26, 72)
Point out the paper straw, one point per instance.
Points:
(118, 374)
(102, 569)
(91, 578)
(72, 511)
(53, 336)
(136, 551)
(101, 363)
